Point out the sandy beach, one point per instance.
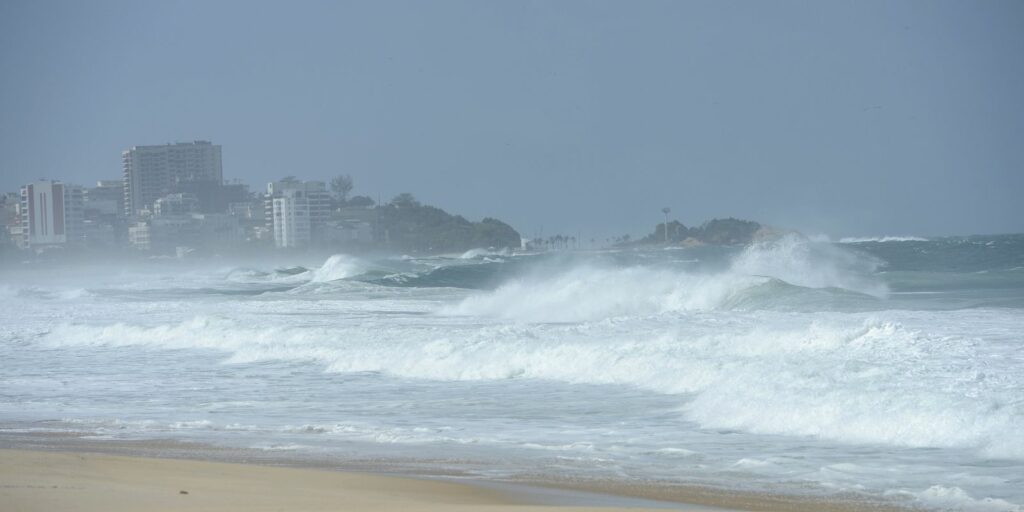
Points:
(55, 481)
(463, 392)
(45, 479)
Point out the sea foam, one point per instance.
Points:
(880, 239)
(592, 292)
(869, 381)
(784, 365)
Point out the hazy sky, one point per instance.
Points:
(848, 118)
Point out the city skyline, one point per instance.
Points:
(173, 200)
(837, 118)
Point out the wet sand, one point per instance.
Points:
(54, 472)
(87, 482)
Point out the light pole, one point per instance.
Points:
(665, 210)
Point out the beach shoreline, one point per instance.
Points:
(37, 480)
(31, 465)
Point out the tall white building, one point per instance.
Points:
(151, 172)
(296, 211)
(291, 218)
(51, 214)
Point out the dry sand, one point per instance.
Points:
(76, 481)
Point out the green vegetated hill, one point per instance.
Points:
(409, 226)
(713, 232)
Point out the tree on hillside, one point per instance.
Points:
(728, 231)
(360, 202)
(342, 186)
(405, 200)
(415, 227)
(714, 232)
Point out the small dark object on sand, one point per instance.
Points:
(182, 492)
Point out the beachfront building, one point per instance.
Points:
(10, 220)
(151, 172)
(174, 232)
(296, 211)
(214, 197)
(105, 200)
(105, 225)
(291, 219)
(175, 204)
(51, 214)
(339, 232)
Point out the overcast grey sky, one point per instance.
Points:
(847, 118)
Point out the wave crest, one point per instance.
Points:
(338, 266)
(809, 264)
(880, 239)
(592, 292)
(857, 381)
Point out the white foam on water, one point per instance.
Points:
(481, 252)
(591, 292)
(880, 239)
(884, 385)
(55, 293)
(864, 382)
(954, 498)
(338, 266)
(925, 404)
(280, 447)
(73, 294)
(801, 262)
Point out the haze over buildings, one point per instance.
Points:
(851, 118)
(173, 200)
(296, 210)
(153, 171)
(51, 213)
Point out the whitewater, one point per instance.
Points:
(890, 368)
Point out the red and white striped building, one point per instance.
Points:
(51, 213)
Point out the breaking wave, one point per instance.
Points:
(869, 381)
(335, 268)
(764, 275)
(954, 498)
(484, 253)
(808, 264)
(785, 360)
(593, 293)
(880, 239)
(339, 266)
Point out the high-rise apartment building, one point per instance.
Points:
(51, 213)
(296, 211)
(151, 172)
(105, 199)
(175, 204)
(291, 219)
(10, 220)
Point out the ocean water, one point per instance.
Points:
(891, 368)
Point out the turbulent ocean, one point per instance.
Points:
(888, 368)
